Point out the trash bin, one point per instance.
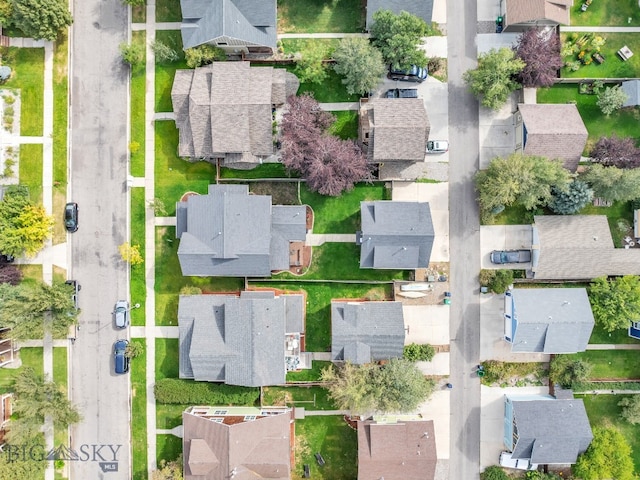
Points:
(447, 301)
(480, 372)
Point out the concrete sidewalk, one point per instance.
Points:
(157, 332)
(340, 106)
(317, 239)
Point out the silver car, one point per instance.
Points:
(121, 314)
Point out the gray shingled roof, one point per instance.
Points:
(580, 247)
(235, 340)
(551, 320)
(399, 129)
(420, 8)
(395, 234)
(366, 331)
(554, 131)
(551, 431)
(234, 22)
(632, 89)
(527, 12)
(255, 449)
(231, 233)
(224, 110)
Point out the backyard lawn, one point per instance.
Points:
(138, 83)
(607, 12)
(167, 358)
(620, 214)
(603, 410)
(174, 176)
(320, 16)
(613, 66)
(335, 440)
(612, 364)
(137, 284)
(166, 72)
(341, 214)
(169, 279)
(295, 45)
(310, 375)
(311, 398)
(346, 124)
(28, 75)
(330, 90)
(599, 335)
(266, 170)
(139, 414)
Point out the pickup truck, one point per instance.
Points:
(510, 256)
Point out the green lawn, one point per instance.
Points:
(607, 12)
(31, 273)
(137, 285)
(346, 124)
(603, 410)
(139, 414)
(615, 213)
(295, 45)
(138, 80)
(623, 123)
(316, 16)
(139, 14)
(174, 176)
(168, 447)
(311, 375)
(318, 311)
(31, 357)
(599, 335)
(167, 358)
(169, 416)
(60, 110)
(31, 169)
(341, 214)
(612, 364)
(613, 66)
(330, 90)
(169, 279)
(168, 11)
(311, 398)
(266, 170)
(514, 215)
(164, 72)
(60, 366)
(28, 75)
(335, 440)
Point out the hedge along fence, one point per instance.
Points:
(189, 392)
(586, 387)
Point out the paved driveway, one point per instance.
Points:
(497, 131)
(504, 237)
(437, 409)
(426, 324)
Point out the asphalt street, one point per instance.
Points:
(98, 172)
(464, 245)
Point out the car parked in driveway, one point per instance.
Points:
(510, 256)
(437, 146)
(120, 356)
(401, 93)
(121, 314)
(71, 217)
(413, 74)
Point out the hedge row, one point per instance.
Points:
(589, 386)
(188, 392)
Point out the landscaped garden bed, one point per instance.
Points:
(585, 45)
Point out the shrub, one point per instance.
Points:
(571, 201)
(566, 372)
(501, 281)
(133, 53)
(486, 277)
(188, 392)
(496, 372)
(419, 353)
(494, 472)
(164, 53)
(204, 55)
(190, 290)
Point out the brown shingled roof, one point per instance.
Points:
(526, 11)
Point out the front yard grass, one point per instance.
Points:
(169, 447)
(168, 11)
(28, 76)
(166, 72)
(603, 12)
(174, 176)
(31, 169)
(60, 110)
(603, 411)
(60, 366)
(320, 16)
(31, 357)
(139, 413)
(612, 364)
(335, 440)
(613, 66)
(169, 416)
(311, 398)
(138, 81)
(167, 359)
(169, 278)
(346, 124)
(341, 214)
(137, 286)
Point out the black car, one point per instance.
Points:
(401, 93)
(76, 288)
(414, 74)
(120, 356)
(71, 217)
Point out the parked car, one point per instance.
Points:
(120, 356)
(437, 146)
(71, 217)
(76, 288)
(414, 74)
(401, 93)
(510, 256)
(121, 314)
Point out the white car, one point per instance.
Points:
(437, 146)
(121, 314)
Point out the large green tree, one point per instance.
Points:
(608, 456)
(495, 77)
(611, 99)
(27, 470)
(396, 386)
(615, 303)
(567, 371)
(613, 183)
(311, 66)
(41, 19)
(24, 227)
(360, 64)
(519, 179)
(571, 201)
(398, 36)
(630, 409)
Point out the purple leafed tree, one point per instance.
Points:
(540, 51)
(329, 164)
(618, 152)
(10, 274)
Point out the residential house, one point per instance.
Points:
(547, 320)
(249, 340)
(402, 447)
(6, 409)
(420, 8)
(8, 347)
(393, 129)
(236, 26)
(395, 235)
(521, 15)
(546, 430)
(578, 247)
(362, 332)
(225, 111)
(552, 131)
(220, 443)
(233, 234)
(632, 89)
